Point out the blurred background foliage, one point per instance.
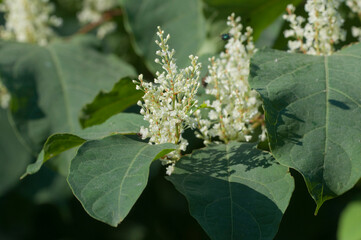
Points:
(42, 205)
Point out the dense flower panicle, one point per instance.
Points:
(169, 101)
(28, 21)
(321, 31)
(235, 112)
(4, 96)
(355, 6)
(92, 11)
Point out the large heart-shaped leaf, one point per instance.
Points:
(49, 85)
(313, 109)
(182, 19)
(108, 175)
(234, 190)
(122, 123)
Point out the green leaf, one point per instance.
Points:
(313, 107)
(105, 105)
(234, 190)
(59, 143)
(256, 13)
(269, 35)
(49, 85)
(122, 123)
(53, 146)
(13, 155)
(349, 224)
(182, 19)
(108, 175)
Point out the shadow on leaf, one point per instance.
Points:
(227, 189)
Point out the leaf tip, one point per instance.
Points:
(116, 223)
(163, 153)
(23, 176)
(320, 201)
(317, 209)
(29, 170)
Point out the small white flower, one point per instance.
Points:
(170, 169)
(356, 32)
(289, 33)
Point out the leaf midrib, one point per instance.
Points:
(229, 188)
(62, 81)
(327, 79)
(127, 173)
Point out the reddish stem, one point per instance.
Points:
(106, 16)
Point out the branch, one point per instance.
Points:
(106, 16)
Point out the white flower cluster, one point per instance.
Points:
(169, 101)
(92, 11)
(234, 113)
(322, 30)
(28, 21)
(4, 96)
(355, 6)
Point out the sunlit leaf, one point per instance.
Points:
(108, 175)
(122, 123)
(313, 107)
(234, 190)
